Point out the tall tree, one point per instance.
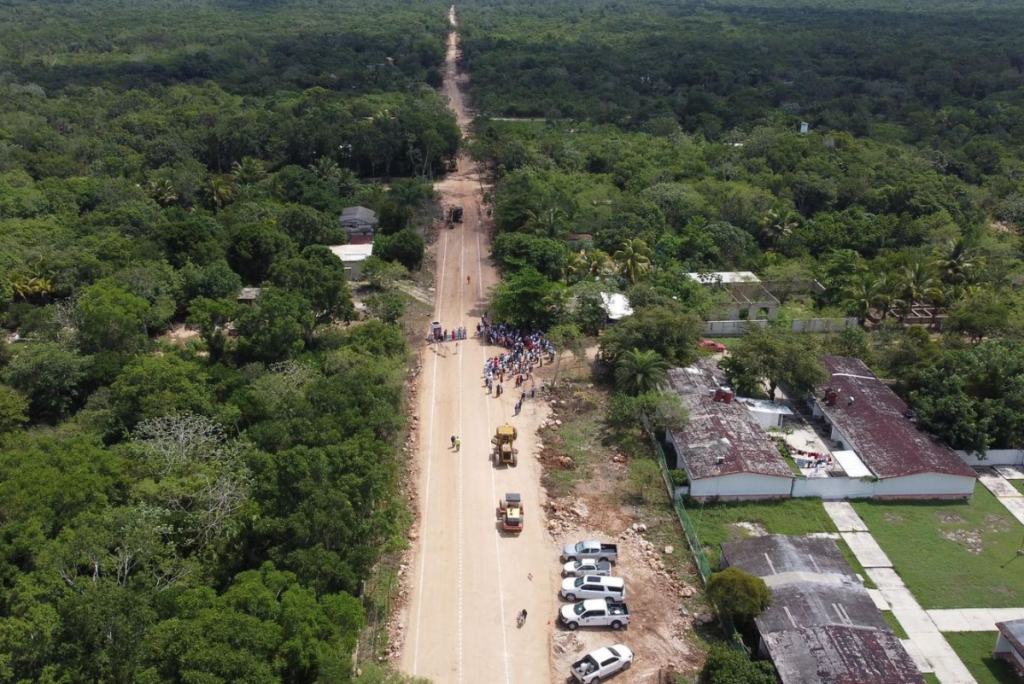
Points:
(633, 258)
(773, 356)
(637, 372)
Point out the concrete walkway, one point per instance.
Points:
(1003, 489)
(973, 619)
(927, 645)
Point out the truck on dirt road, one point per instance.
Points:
(595, 613)
(590, 549)
(603, 663)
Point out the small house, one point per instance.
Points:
(1010, 643)
(353, 256)
(738, 295)
(359, 221)
(723, 449)
(248, 295)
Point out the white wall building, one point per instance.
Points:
(353, 256)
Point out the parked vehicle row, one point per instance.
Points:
(588, 576)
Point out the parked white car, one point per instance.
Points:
(602, 663)
(587, 566)
(594, 587)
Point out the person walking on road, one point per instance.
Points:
(458, 444)
(518, 407)
(453, 441)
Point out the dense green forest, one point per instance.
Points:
(206, 509)
(673, 139)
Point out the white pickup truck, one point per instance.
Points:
(587, 566)
(595, 613)
(590, 549)
(603, 663)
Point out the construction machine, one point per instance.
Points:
(505, 452)
(510, 513)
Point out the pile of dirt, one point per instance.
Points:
(566, 516)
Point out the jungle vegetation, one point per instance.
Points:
(203, 509)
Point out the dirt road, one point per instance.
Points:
(468, 580)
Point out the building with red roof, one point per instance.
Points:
(867, 417)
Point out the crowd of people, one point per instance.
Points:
(527, 351)
(444, 335)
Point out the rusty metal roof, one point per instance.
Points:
(875, 425)
(822, 627)
(717, 429)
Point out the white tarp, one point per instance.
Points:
(616, 305)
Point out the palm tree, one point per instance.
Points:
(916, 282)
(633, 259)
(220, 191)
(30, 287)
(597, 263)
(777, 224)
(638, 371)
(956, 261)
(575, 265)
(324, 168)
(859, 296)
(548, 222)
(249, 170)
(162, 192)
(885, 295)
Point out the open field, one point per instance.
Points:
(952, 554)
(975, 649)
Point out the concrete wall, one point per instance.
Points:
(741, 486)
(834, 488)
(734, 327)
(995, 457)
(927, 486)
(353, 270)
(822, 324)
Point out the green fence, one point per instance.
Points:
(696, 548)
(703, 567)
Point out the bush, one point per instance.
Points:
(679, 478)
(738, 594)
(726, 665)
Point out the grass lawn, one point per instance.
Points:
(952, 554)
(1019, 484)
(975, 649)
(717, 522)
(931, 678)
